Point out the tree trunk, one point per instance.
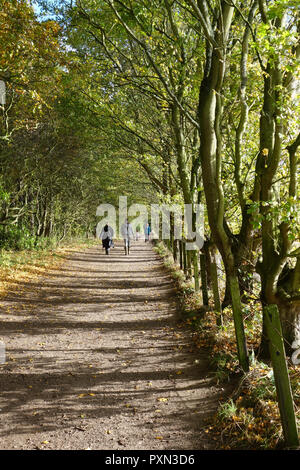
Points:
(194, 255)
(238, 322)
(281, 293)
(215, 286)
(203, 272)
(185, 267)
(175, 251)
(189, 264)
(210, 111)
(290, 323)
(180, 253)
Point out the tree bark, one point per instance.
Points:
(210, 112)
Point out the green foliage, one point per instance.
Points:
(103, 100)
(227, 410)
(16, 238)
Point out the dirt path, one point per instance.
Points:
(95, 360)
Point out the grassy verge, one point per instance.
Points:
(250, 418)
(16, 266)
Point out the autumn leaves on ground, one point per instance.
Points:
(96, 358)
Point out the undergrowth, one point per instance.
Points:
(250, 418)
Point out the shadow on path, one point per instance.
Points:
(95, 359)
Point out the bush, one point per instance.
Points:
(14, 238)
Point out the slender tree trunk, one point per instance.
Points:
(210, 113)
(185, 265)
(175, 250)
(195, 259)
(180, 253)
(189, 264)
(215, 286)
(203, 271)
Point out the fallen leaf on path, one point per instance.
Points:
(162, 399)
(79, 428)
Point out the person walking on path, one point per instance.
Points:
(106, 236)
(127, 234)
(149, 231)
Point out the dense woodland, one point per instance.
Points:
(168, 101)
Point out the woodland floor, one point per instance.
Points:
(96, 359)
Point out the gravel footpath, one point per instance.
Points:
(96, 359)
